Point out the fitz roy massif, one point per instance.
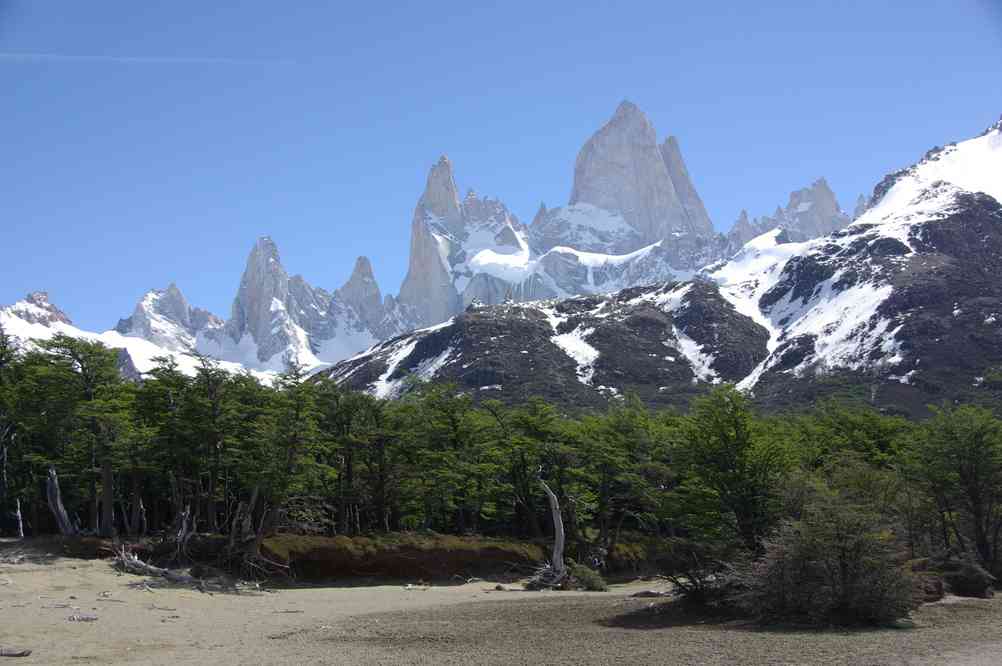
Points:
(627, 288)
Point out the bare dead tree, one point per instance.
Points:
(558, 531)
(66, 527)
(554, 573)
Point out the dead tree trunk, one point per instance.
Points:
(20, 519)
(66, 528)
(107, 498)
(558, 531)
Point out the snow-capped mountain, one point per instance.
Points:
(903, 300)
(812, 212)
(35, 318)
(661, 342)
(275, 319)
(165, 318)
(902, 306)
(634, 218)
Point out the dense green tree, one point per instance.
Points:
(957, 457)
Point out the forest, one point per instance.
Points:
(836, 502)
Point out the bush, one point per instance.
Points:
(587, 578)
(835, 566)
(966, 578)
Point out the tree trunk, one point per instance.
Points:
(558, 530)
(137, 506)
(20, 520)
(66, 528)
(107, 499)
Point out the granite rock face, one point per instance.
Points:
(633, 218)
(37, 309)
(811, 212)
(165, 318)
(698, 219)
(362, 293)
(621, 170)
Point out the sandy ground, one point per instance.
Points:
(389, 624)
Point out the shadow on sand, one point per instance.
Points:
(678, 613)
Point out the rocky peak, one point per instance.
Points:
(362, 293)
(164, 317)
(622, 170)
(263, 292)
(173, 304)
(811, 212)
(997, 127)
(440, 198)
(37, 309)
(862, 203)
(540, 213)
(698, 218)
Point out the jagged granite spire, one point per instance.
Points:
(620, 169)
(37, 309)
(441, 197)
(264, 290)
(862, 203)
(811, 212)
(362, 293)
(427, 290)
(165, 318)
(699, 219)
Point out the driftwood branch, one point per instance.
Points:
(130, 563)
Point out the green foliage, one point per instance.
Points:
(956, 458)
(733, 468)
(696, 494)
(587, 578)
(993, 378)
(836, 565)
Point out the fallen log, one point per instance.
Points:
(14, 652)
(130, 563)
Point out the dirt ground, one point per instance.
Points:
(391, 624)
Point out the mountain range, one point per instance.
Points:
(627, 287)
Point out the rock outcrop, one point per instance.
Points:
(811, 212)
(165, 318)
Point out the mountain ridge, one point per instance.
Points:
(474, 251)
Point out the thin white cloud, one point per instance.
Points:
(136, 60)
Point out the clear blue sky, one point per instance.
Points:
(150, 142)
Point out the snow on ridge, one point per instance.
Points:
(575, 345)
(141, 351)
(384, 387)
(753, 271)
(972, 166)
(700, 361)
(572, 343)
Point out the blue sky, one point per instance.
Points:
(143, 144)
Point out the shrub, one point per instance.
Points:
(834, 566)
(993, 377)
(587, 578)
(699, 571)
(966, 578)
